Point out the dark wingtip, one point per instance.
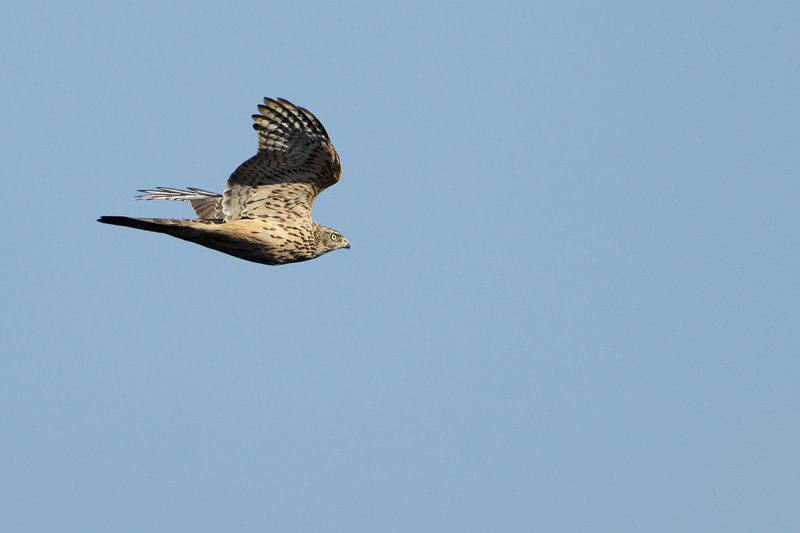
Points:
(112, 220)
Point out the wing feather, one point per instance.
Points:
(294, 163)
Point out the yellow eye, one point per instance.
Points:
(334, 236)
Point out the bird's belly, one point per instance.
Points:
(263, 241)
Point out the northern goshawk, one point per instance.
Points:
(264, 213)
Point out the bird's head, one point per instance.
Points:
(328, 239)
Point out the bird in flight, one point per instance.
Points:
(264, 213)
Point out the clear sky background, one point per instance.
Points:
(571, 303)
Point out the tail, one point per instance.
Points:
(169, 193)
(206, 204)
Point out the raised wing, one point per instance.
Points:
(206, 204)
(295, 162)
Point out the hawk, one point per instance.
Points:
(264, 213)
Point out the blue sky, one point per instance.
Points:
(571, 302)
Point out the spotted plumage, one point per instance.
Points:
(264, 213)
